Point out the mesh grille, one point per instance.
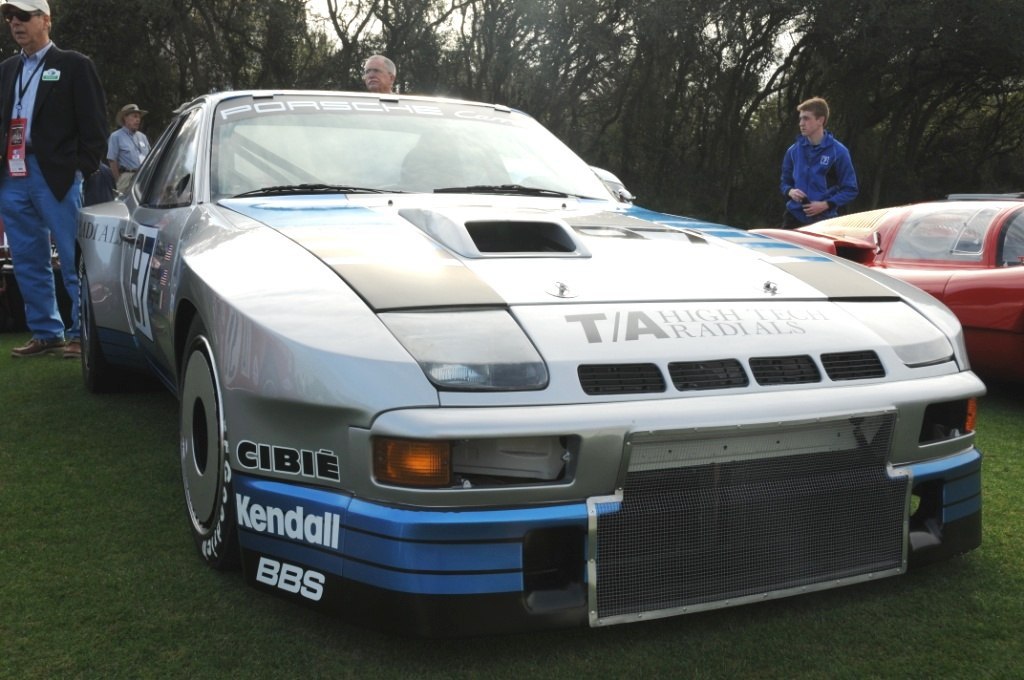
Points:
(784, 370)
(621, 378)
(707, 375)
(790, 507)
(852, 365)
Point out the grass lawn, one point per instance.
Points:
(99, 578)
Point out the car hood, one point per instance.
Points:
(402, 252)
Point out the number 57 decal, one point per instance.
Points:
(139, 279)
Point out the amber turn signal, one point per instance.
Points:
(409, 462)
(972, 414)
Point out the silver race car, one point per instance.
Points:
(436, 376)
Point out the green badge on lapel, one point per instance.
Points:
(51, 74)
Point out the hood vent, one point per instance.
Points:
(462, 232)
(508, 236)
(610, 379)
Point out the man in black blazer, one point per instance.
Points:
(54, 131)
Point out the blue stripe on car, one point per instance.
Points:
(415, 551)
(961, 482)
(731, 234)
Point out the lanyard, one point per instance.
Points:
(23, 88)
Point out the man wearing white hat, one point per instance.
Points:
(127, 146)
(53, 124)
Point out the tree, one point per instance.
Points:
(163, 53)
(936, 113)
(691, 102)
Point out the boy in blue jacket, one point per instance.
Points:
(817, 171)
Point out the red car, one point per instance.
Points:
(967, 251)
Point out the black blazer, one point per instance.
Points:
(69, 126)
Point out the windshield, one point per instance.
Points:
(369, 145)
(943, 233)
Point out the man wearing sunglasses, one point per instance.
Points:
(53, 127)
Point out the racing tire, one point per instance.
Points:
(205, 468)
(97, 374)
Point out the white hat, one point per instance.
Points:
(29, 6)
(125, 110)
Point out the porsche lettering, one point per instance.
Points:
(289, 106)
(473, 115)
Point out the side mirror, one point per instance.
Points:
(614, 185)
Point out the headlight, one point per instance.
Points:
(916, 340)
(933, 310)
(470, 350)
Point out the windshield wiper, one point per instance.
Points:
(511, 189)
(295, 189)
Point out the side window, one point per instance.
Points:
(173, 177)
(1011, 247)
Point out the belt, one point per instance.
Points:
(129, 172)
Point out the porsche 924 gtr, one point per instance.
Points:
(435, 377)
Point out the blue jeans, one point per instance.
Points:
(31, 216)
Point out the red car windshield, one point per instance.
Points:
(943, 234)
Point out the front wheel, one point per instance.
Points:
(205, 468)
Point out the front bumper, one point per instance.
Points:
(469, 571)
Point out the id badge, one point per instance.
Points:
(16, 164)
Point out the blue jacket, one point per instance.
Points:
(823, 172)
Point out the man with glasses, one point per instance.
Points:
(54, 134)
(379, 74)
